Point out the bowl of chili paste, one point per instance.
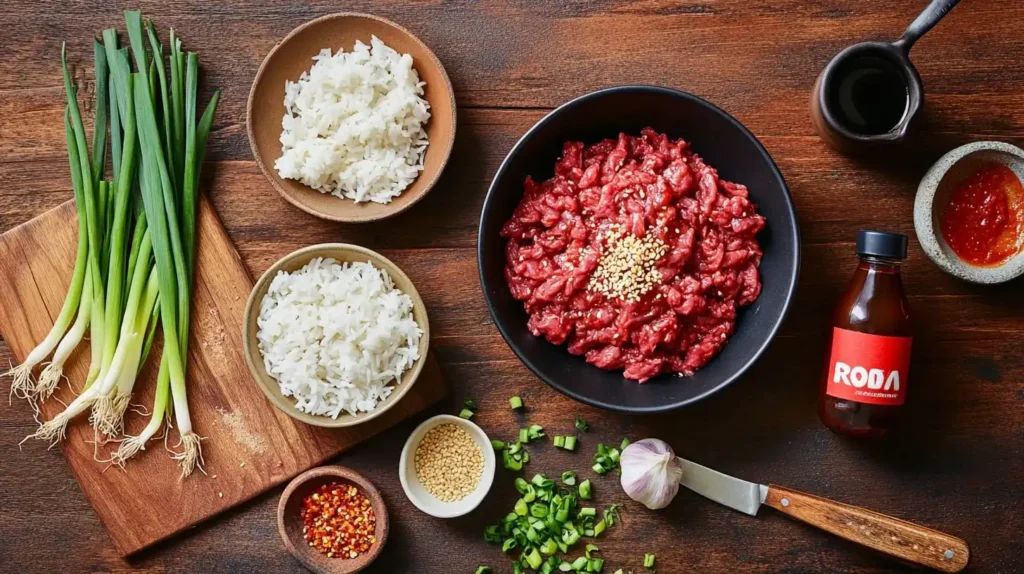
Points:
(638, 235)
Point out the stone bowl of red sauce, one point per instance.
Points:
(969, 212)
(621, 113)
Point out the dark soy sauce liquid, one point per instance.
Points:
(868, 95)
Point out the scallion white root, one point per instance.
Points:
(132, 445)
(54, 371)
(116, 387)
(60, 326)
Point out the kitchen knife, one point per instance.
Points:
(892, 536)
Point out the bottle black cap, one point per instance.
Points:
(882, 244)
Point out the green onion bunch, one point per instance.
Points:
(137, 239)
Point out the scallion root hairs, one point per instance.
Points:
(132, 445)
(102, 418)
(191, 456)
(22, 385)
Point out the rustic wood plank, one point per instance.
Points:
(521, 53)
(764, 419)
(821, 184)
(510, 62)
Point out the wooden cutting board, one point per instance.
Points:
(249, 447)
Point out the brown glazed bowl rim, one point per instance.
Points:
(898, 57)
(254, 357)
(299, 548)
(338, 215)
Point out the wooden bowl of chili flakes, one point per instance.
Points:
(333, 520)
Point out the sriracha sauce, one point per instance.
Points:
(984, 220)
(865, 381)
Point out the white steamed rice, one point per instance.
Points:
(336, 335)
(354, 124)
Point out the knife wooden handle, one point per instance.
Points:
(892, 536)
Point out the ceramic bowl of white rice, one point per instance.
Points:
(335, 334)
(351, 118)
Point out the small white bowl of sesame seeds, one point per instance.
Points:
(447, 466)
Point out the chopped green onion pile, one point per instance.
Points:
(585, 490)
(137, 238)
(513, 455)
(607, 457)
(565, 442)
(533, 433)
(547, 521)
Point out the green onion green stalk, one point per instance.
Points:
(137, 240)
(90, 192)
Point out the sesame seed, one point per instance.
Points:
(448, 462)
(627, 268)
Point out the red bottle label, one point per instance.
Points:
(868, 368)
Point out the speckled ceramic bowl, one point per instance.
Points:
(933, 195)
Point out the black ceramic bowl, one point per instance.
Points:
(725, 144)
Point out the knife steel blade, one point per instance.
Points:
(737, 494)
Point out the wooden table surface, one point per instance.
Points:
(959, 468)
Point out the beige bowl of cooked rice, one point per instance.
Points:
(292, 57)
(342, 253)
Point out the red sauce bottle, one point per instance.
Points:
(865, 381)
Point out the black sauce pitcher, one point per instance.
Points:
(869, 94)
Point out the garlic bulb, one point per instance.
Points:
(650, 472)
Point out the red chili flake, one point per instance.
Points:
(338, 521)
